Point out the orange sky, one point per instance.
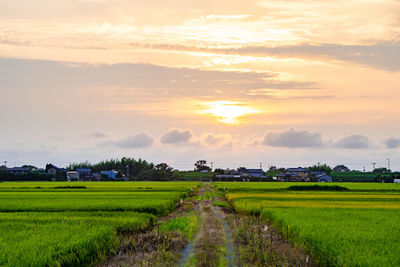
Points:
(284, 83)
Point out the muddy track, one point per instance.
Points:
(212, 245)
(230, 254)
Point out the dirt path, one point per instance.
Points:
(212, 245)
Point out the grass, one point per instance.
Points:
(158, 203)
(316, 188)
(222, 204)
(68, 224)
(207, 195)
(341, 228)
(187, 225)
(63, 239)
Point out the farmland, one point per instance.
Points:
(356, 227)
(60, 224)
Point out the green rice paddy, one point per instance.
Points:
(358, 227)
(69, 224)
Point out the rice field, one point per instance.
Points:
(68, 224)
(358, 227)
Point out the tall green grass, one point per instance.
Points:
(63, 239)
(75, 224)
(359, 228)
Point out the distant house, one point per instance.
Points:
(110, 174)
(324, 178)
(72, 176)
(320, 177)
(396, 181)
(252, 173)
(17, 170)
(54, 170)
(294, 175)
(83, 171)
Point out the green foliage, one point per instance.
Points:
(207, 195)
(62, 239)
(138, 169)
(317, 188)
(340, 169)
(336, 228)
(85, 225)
(187, 225)
(221, 204)
(320, 168)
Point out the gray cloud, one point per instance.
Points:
(136, 141)
(176, 136)
(217, 141)
(392, 143)
(356, 141)
(292, 139)
(385, 55)
(97, 135)
(164, 81)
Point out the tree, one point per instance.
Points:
(320, 168)
(201, 165)
(341, 169)
(381, 170)
(163, 167)
(219, 171)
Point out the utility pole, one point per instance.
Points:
(211, 165)
(388, 164)
(261, 165)
(373, 166)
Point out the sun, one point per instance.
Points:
(228, 112)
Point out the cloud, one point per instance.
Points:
(392, 143)
(217, 140)
(383, 55)
(356, 141)
(292, 139)
(97, 135)
(176, 136)
(139, 78)
(136, 141)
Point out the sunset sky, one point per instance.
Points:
(286, 83)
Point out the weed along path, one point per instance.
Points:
(212, 245)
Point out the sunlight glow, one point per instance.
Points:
(228, 112)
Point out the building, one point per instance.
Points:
(54, 170)
(72, 176)
(17, 170)
(110, 174)
(324, 178)
(294, 175)
(83, 171)
(251, 173)
(320, 177)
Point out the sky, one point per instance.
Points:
(237, 83)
